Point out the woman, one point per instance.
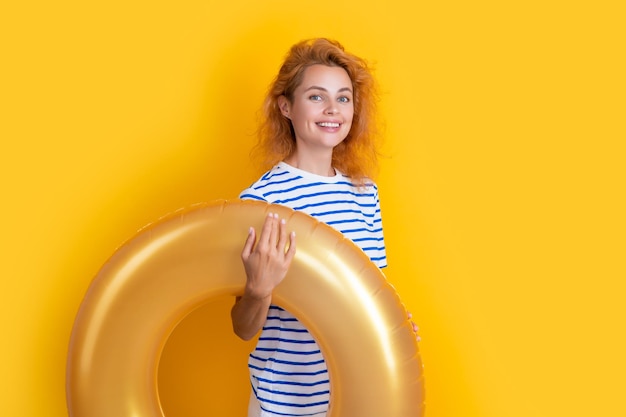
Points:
(319, 137)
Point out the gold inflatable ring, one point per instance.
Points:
(182, 261)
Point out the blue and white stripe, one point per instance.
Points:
(288, 373)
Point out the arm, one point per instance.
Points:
(266, 263)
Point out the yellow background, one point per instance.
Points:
(502, 186)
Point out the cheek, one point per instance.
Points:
(350, 112)
(350, 117)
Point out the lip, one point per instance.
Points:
(330, 124)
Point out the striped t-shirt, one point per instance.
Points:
(288, 373)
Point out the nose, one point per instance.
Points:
(331, 109)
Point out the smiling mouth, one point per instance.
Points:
(329, 124)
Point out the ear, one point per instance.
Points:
(284, 106)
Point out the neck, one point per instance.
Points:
(320, 165)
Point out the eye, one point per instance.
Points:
(344, 99)
(315, 97)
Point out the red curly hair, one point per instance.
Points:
(356, 156)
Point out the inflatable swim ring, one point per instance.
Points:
(175, 265)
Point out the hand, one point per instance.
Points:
(267, 261)
(415, 328)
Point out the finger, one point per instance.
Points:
(264, 239)
(274, 233)
(247, 247)
(282, 235)
(416, 331)
(292, 248)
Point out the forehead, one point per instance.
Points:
(326, 77)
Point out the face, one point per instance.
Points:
(322, 108)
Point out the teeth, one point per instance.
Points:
(328, 124)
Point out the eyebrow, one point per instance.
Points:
(315, 87)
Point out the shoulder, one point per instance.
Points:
(362, 186)
(273, 181)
